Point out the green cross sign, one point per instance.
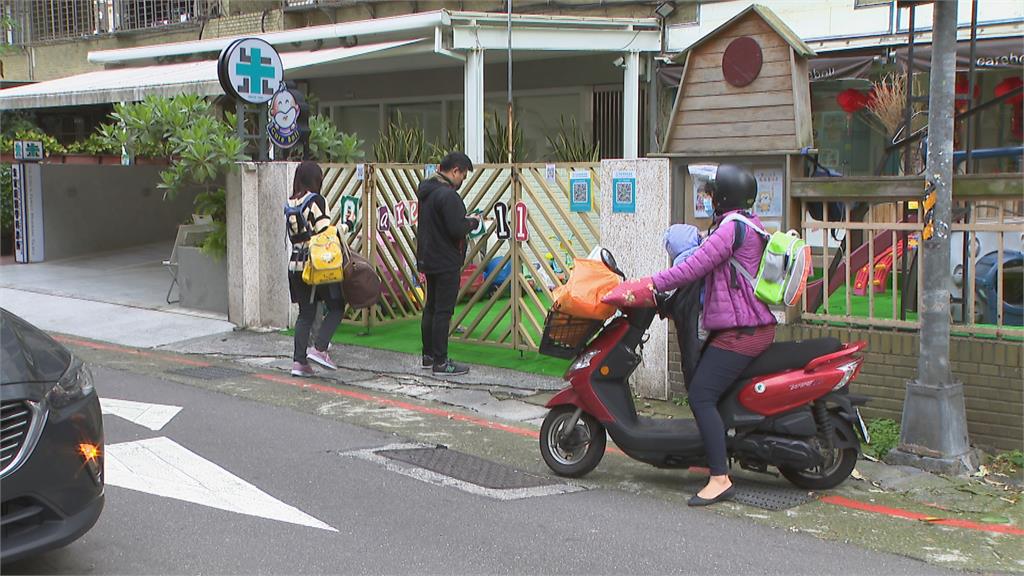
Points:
(254, 72)
(251, 70)
(28, 150)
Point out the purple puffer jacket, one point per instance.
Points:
(724, 306)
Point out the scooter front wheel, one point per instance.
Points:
(572, 453)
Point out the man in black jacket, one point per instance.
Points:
(440, 255)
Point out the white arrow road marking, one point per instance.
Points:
(163, 467)
(152, 416)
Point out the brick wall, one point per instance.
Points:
(990, 371)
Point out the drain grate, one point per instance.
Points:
(770, 497)
(207, 372)
(467, 468)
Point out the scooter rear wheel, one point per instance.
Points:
(839, 462)
(574, 454)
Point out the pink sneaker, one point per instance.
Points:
(321, 358)
(301, 370)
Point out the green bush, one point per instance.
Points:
(95, 144)
(402, 144)
(327, 144)
(496, 141)
(572, 145)
(885, 434)
(50, 144)
(6, 199)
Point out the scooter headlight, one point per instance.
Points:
(583, 361)
(849, 371)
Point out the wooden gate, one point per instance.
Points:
(507, 284)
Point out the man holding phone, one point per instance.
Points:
(440, 255)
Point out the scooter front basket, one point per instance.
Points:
(566, 336)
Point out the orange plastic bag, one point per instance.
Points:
(581, 295)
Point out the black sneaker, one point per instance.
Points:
(428, 362)
(450, 368)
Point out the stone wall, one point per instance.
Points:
(636, 240)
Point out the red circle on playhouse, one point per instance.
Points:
(250, 69)
(741, 63)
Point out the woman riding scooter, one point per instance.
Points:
(741, 327)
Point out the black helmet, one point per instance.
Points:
(733, 188)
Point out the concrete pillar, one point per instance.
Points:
(257, 247)
(631, 107)
(637, 241)
(473, 98)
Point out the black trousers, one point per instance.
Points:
(442, 292)
(716, 371)
(304, 325)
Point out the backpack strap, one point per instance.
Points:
(300, 211)
(742, 221)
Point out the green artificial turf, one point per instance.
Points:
(404, 336)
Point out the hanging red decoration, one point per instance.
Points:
(1009, 85)
(851, 100)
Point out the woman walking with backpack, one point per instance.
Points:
(740, 326)
(306, 216)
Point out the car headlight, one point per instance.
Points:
(74, 385)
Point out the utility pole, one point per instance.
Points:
(933, 435)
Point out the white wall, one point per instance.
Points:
(94, 208)
(821, 19)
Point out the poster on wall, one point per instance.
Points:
(768, 202)
(550, 173)
(624, 191)
(701, 175)
(579, 191)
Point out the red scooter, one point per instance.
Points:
(791, 408)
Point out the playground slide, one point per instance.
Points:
(879, 272)
(858, 259)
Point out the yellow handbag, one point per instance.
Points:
(325, 263)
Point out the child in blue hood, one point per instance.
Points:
(682, 240)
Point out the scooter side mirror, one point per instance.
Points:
(609, 261)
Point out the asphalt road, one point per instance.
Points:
(375, 520)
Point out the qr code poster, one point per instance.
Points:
(624, 192)
(580, 191)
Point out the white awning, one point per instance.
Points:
(133, 84)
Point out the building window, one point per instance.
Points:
(58, 19)
(869, 3)
(27, 21)
(142, 14)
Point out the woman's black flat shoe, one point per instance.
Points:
(726, 495)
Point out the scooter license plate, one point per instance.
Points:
(860, 426)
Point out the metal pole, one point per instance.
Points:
(908, 110)
(510, 114)
(933, 432)
(965, 285)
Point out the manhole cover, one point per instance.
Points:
(770, 497)
(467, 468)
(207, 372)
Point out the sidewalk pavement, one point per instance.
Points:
(969, 523)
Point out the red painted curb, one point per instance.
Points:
(898, 513)
(114, 348)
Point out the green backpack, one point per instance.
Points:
(785, 265)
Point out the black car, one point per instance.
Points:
(51, 443)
